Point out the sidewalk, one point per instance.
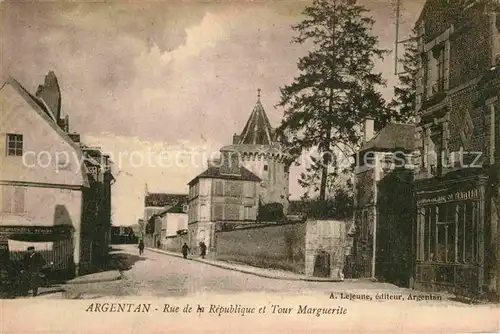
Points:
(261, 272)
(104, 276)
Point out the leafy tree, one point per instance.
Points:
(336, 88)
(403, 103)
(270, 212)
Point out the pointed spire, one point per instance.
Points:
(258, 130)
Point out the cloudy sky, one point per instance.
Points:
(165, 76)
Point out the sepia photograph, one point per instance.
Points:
(317, 165)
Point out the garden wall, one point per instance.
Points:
(278, 246)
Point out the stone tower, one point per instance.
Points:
(259, 151)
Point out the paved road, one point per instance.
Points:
(154, 274)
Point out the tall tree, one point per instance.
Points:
(336, 88)
(403, 103)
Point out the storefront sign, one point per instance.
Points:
(35, 233)
(26, 229)
(461, 195)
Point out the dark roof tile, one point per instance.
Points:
(393, 137)
(258, 130)
(163, 200)
(214, 172)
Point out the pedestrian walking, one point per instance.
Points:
(31, 271)
(185, 250)
(203, 249)
(158, 244)
(141, 247)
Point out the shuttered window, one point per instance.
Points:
(13, 199)
(218, 212)
(248, 189)
(219, 188)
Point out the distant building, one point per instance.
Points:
(44, 191)
(174, 224)
(155, 205)
(225, 194)
(123, 235)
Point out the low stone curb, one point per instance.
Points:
(224, 266)
(79, 280)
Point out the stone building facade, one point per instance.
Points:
(457, 142)
(224, 194)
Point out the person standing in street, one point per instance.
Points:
(185, 250)
(203, 249)
(141, 247)
(31, 272)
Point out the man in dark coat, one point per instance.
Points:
(141, 247)
(203, 249)
(31, 272)
(185, 250)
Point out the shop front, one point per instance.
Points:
(452, 234)
(54, 243)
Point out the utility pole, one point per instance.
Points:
(397, 41)
(397, 37)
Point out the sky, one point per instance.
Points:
(162, 85)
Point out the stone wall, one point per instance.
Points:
(174, 243)
(327, 237)
(278, 246)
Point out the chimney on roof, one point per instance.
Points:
(368, 130)
(74, 137)
(236, 139)
(230, 163)
(50, 93)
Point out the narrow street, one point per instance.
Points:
(154, 274)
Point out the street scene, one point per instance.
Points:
(344, 149)
(157, 274)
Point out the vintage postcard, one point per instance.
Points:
(294, 166)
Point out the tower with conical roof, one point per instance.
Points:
(261, 153)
